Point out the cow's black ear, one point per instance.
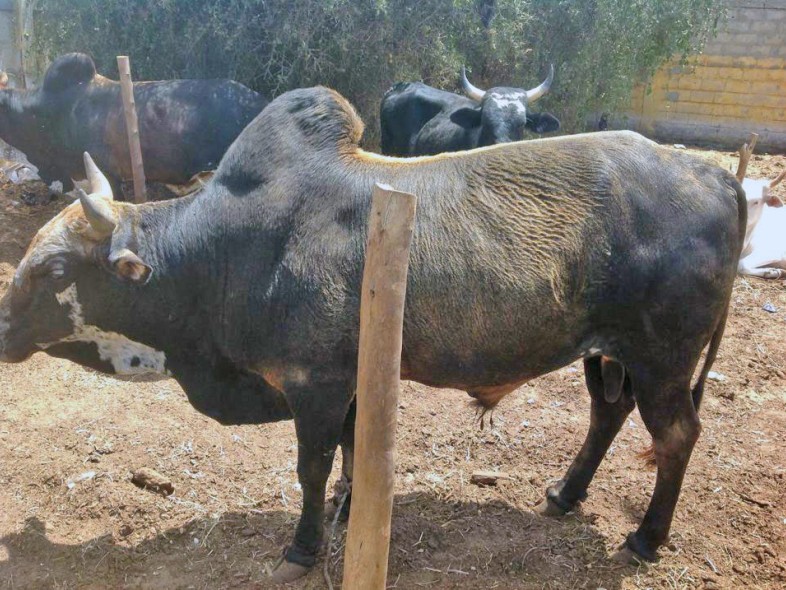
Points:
(466, 117)
(130, 267)
(542, 122)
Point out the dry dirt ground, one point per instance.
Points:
(70, 439)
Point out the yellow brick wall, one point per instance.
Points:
(738, 85)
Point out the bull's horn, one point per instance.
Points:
(471, 91)
(537, 92)
(99, 185)
(98, 212)
(778, 179)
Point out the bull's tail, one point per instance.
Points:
(697, 393)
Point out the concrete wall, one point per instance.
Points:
(9, 55)
(736, 86)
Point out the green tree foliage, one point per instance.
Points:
(600, 48)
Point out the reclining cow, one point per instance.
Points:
(420, 120)
(764, 252)
(185, 126)
(524, 258)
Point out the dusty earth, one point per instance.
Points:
(71, 438)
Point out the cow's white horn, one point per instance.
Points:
(537, 92)
(778, 179)
(99, 185)
(98, 212)
(471, 91)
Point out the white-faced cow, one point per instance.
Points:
(764, 252)
(525, 257)
(420, 120)
(185, 126)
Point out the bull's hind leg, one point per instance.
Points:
(606, 419)
(668, 413)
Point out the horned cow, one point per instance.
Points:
(420, 120)
(525, 257)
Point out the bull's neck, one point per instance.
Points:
(176, 311)
(175, 236)
(169, 237)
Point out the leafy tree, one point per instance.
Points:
(600, 48)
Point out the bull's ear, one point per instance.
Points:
(129, 266)
(542, 122)
(466, 117)
(769, 199)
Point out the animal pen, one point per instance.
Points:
(119, 483)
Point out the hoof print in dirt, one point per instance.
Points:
(149, 479)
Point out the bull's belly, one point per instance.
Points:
(488, 376)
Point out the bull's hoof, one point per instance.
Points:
(627, 556)
(286, 572)
(330, 512)
(549, 508)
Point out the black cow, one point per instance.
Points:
(420, 120)
(525, 257)
(185, 126)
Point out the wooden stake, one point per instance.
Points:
(746, 151)
(132, 128)
(379, 371)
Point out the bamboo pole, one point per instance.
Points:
(379, 371)
(746, 151)
(132, 128)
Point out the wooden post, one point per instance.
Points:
(379, 372)
(132, 128)
(746, 151)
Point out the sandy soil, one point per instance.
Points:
(71, 438)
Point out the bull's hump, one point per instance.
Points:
(68, 71)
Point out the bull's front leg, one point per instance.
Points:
(320, 414)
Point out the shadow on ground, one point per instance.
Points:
(467, 545)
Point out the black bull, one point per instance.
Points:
(525, 257)
(185, 126)
(417, 120)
